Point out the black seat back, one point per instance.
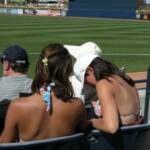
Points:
(127, 138)
(4, 104)
(147, 96)
(72, 142)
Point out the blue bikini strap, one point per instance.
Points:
(47, 95)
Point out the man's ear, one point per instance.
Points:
(6, 66)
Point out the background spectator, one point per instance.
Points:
(15, 66)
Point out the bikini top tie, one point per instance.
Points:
(47, 95)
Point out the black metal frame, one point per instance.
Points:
(147, 95)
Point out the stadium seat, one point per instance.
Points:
(134, 137)
(72, 142)
(127, 138)
(25, 94)
(4, 104)
(89, 111)
(142, 141)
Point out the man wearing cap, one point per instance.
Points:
(14, 81)
(15, 66)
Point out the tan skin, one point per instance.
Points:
(8, 71)
(28, 117)
(117, 98)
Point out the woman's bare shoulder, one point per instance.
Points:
(104, 84)
(77, 101)
(21, 102)
(15, 107)
(105, 88)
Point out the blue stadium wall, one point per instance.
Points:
(102, 8)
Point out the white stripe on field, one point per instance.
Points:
(124, 54)
(111, 54)
(33, 53)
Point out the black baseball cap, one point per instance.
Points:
(15, 54)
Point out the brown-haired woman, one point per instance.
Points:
(118, 97)
(51, 111)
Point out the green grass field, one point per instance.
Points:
(113, 36)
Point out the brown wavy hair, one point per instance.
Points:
(103, 69)
(58, 70)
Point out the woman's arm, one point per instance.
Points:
(109, 121)
(9, 133)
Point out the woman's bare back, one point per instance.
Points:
(125, 97)
(33, 121)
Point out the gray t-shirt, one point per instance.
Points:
(11, 86)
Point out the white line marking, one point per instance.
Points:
(33, 53)
(111, 54)
(124, 54)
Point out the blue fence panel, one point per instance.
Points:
(103, 8)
